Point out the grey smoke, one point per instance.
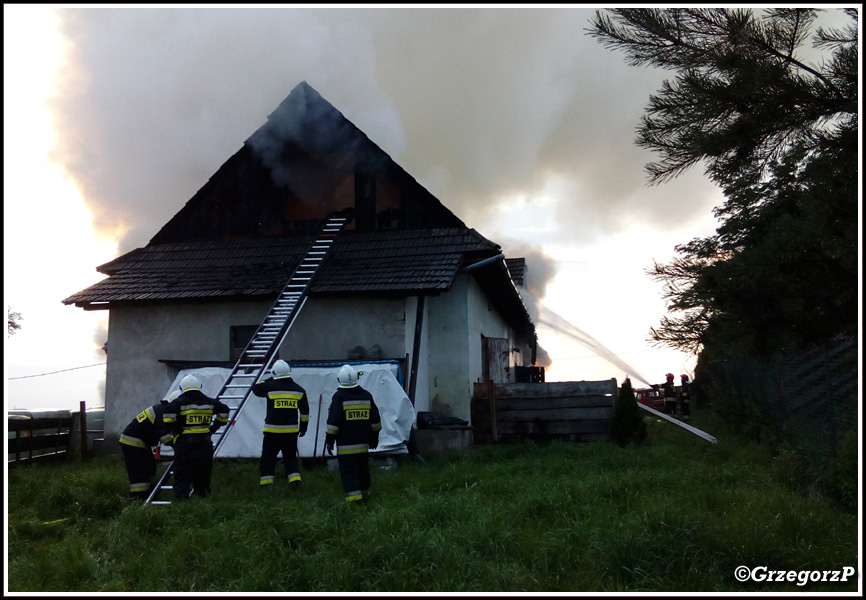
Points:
(475, 103)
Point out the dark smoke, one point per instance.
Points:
(475, 103)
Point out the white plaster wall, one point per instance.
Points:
(448, 358)
(328, 328)
(139, 337)
(458, 320)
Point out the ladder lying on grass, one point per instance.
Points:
(262, 348)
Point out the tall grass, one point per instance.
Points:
(677, 515)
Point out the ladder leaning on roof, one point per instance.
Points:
(262, 348)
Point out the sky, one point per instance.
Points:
(514, 117)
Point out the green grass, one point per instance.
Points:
(677, 515)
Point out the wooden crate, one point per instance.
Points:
(577, 411)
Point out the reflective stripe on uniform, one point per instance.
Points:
(352, 449)
(197, 418)
(147, 414)
(288, 400)
(281, 428)
(139, 487)
(132, 441)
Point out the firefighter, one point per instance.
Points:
(670, 395)
(193, 417)
(685, 409)
(286, 418)
(354, 425)
(137, 441)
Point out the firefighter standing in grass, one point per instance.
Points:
(354, 425)
(286, 418)
(685, 409)
(137, 441)
(670, 395)
(193, 417)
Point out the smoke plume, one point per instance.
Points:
(475, 103)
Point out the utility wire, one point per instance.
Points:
(55, 372)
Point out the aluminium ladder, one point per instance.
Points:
(262, 348)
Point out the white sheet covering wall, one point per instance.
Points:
(244, 438)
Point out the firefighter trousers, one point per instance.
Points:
(354, 474)
(140, 467)
(193, 466)
(272, 445)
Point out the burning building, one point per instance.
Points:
(406, 281)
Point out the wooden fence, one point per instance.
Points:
(52, 434)
(576, 411)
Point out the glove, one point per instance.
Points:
(303, 429)
(374, 440)
(329, 444)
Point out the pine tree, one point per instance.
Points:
(778, 132)
(627, 424)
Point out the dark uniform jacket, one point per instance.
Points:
(148, 428)
(669, 392)
(288, 409)
(193, 415)
(353, 420)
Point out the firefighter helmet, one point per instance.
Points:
(190, 382)
(281, 369)
(670, 376)
(684, 377)
(348, 377)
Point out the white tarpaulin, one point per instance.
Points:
(244, 437)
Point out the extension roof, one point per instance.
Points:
(245, 231)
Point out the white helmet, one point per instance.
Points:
(190, 382)
(281, 369)
(348, 377)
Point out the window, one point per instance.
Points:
(240, 336)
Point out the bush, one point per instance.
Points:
(627, 424)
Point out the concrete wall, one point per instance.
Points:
(448, 356)
(458, 320)
(329, 328)
(139, 337)
(326, 329)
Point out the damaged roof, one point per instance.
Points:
(416, 261)
(242, 235)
